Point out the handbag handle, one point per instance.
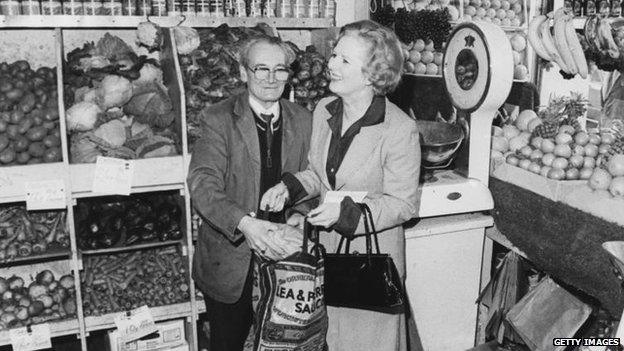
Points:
(369, 230)
(310, 233)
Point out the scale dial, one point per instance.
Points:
(478, 66)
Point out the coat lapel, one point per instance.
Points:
(360, 151)
(244, 123)
(289, 136)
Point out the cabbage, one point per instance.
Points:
(187, 39)
(82, 116)
(148, 74)
(113, 132)
(115, 91)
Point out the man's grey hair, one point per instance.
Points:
(275, 41)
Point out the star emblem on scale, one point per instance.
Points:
(469, 41)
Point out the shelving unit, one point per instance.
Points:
(150, 175)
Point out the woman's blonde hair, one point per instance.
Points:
(385, 63)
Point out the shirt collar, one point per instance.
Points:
(374, 114)
(259, 109)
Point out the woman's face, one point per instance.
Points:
(345, 66)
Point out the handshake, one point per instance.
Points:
(273, 240)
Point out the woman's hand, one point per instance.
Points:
(275, 198)
(296, 220)
(325, 215)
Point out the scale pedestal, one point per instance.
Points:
(445, 251)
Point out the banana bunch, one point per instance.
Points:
(562, 45)
(605, 38)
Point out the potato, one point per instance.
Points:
(36, 133)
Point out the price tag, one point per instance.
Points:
(36, 339)
(112, 176)
(45, 195)
(135, 324)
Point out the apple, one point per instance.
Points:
(563, 150)
(560, 162)
(517, 8)
(535, 167)
(521, 72)
(616, 165)
(429, 46)
(556, 174)
(591, 150)
(512, 160)
(409, 67)
(526, 151)
(426, 57)
(495, 4)
(414, 56)
(524, 164)
(500, 14)
(600, 179)
(566, 128)
(485, 4)
(548, 146)
(536, 154)
(585, 173)
(603, 148)
(518, 42)
(548, 159)
(420, 68)
(607, 138)
(589, 162)
(577, 161)
(517, 58)
(432, 69)
(437, 58)
(419, 45)
(578, 150)
(505, 5)
(572, 174)
(480, 12)
(616, 188)
(537, 142)
(581, 138)
(544, 171)
(594, 139)
(563, 138)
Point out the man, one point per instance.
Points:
(248, 141)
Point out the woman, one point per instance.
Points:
(360, 142)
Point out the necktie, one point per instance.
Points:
(269, 137)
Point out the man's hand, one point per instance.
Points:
(275, 198)
(325, 215)
(260, 237)
(296, 220)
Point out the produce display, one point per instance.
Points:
(427, 25)
(211, 72)
(117, 104)
(555, 146)
(29, 117)
(562, 46)
(603, 41)
(422, 58)
(24, 234)
(44, 299)
(500, 12)
(518, 45)
(309, 79)
(128, 280)
(124, 221)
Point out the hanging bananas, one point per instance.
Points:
(562, 45)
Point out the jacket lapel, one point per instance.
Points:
(289, 136)
(360, 151)
(246, 127)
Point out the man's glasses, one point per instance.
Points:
(263, 73)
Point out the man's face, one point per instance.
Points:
(266, 56)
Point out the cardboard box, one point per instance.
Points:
(171, 336)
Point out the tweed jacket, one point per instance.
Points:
(224, 182)
(384, 161)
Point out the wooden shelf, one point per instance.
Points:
(46, 256)
(12, 179)
(160, 313)
(66, 21)
(57, 328)
(152, 174)
(131, 247)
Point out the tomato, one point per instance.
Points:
(36, 149)
(21, 143)
(4, 141)
(36, 133)
(52, 154)
(22, 157)
(7, 156)
(16, 116)
(51, 140)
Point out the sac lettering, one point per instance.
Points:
(308, 307)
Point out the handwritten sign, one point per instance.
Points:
(337, 196)
(112, 176)
(135, 324)
(45, 195)
(36, 339)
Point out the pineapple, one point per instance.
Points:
(561, 111)
(546, 130)
(616, 148)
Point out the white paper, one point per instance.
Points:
(135, 326)
(337, 196)
(37, 339)
(45, 195)
(112, 176)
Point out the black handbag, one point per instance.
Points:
(367, 281)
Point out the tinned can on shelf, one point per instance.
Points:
(159, 8)
(93, 7)
(216, 8)
(144, 7)
(30, 7)
(590, 7)
(577, 8)
(616, 8)
(300, 8)
(9, 7)
(188, 7)
(174, 7)
(314, 9)
(329, 9)
(236, 8)
(567, 5)
(255, 10)
(270, 8)
(604, 7)
(284, 9)
(112, 8)
(202, 7)
(73, 7)
(51, 7)
(129, 8)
